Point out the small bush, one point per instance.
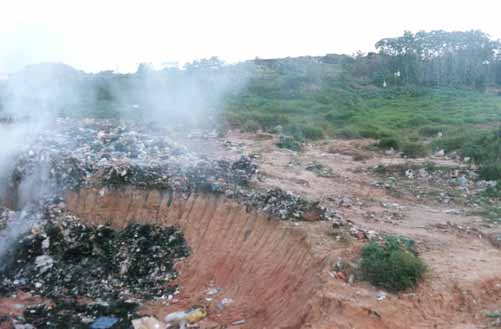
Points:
(494, 191)
(313, 133)
(250, 126)
(413, 150)
(296, 131)
(393, 266)
(388, 143)
(370, 131)
(289, 142)
(490, 171)
(431, 131)
(347, 133)
(268, 120)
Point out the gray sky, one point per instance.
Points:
(95, 35)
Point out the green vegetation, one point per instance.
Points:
(388, 143)
(494, 315)
(289, 142)
(250, 126)
(482, 146)
(414, 150)
(491, 213)
(393, 265)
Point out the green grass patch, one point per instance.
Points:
(388, 143)
(413, 150)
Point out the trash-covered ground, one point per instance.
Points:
(70, 314)
(71, 259)
(117, 155)
(442, 184)
(90, 274)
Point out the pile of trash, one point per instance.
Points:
(70, 314)
(215, 176)
(114, 155)
(66, 258)
(285, 205)
(75, 154)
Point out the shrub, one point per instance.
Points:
(347, 133)
(268, 120)
(370, 131)
(289, 142)
(494, 191)
(490, 171)
(431, 131)
(313, 133)
(250, 126)
(413, 150)
(393, 266)
(388, 143)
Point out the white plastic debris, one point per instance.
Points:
(148, 323)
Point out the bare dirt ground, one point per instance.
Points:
(464, 278)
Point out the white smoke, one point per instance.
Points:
(34, 97)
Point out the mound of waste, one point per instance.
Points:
(70, 259)
(74, 154)
(69, 314)
(110, 156)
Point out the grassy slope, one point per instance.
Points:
(327, 96)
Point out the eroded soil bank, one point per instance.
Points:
(266, 268)
(276, 272)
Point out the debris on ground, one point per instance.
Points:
(148, 323)
(285, 205)
(67, 258)
(69, 314)
(320, 170)
(381, 295)
(183, 318)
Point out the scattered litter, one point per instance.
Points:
(182, 318)
(213, 291)
(104, 322)
(380, 295)
(320, 170)
(223, 303)
(148, 323)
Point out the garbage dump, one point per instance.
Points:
(71, 259)
(117, 155)
(97, 276)
(65, 261)
(68, 313)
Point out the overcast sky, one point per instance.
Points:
(95, 35)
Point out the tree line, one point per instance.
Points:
(435, 58)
